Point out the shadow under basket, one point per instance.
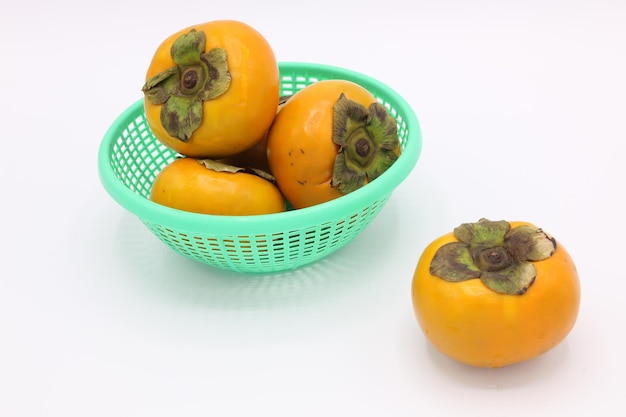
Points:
(130, 157)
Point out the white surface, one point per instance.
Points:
(522, 106)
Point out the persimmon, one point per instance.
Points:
(255, 156)
(495, 293)
(329, 139)
(209, 187)
(212, 89)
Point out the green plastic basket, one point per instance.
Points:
(130, 157)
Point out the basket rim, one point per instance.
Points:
(179, 220)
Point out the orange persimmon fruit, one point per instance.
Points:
(329, 139)
(210, 187)
(212, 90)
(495, 293)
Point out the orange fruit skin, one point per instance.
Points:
(300, 146)
(253, 157)
(479, 327)
(239, 118)
(185, 184)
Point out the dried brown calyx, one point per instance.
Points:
(182, 89)
(368, 143)
(500, 256)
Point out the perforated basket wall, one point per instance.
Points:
(130, 158)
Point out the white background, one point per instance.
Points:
(522, 106)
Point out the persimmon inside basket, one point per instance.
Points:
(130, 157)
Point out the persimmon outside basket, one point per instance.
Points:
(130, 157)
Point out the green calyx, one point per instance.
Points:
(182, 89)
(367, 140)
(500, 256)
